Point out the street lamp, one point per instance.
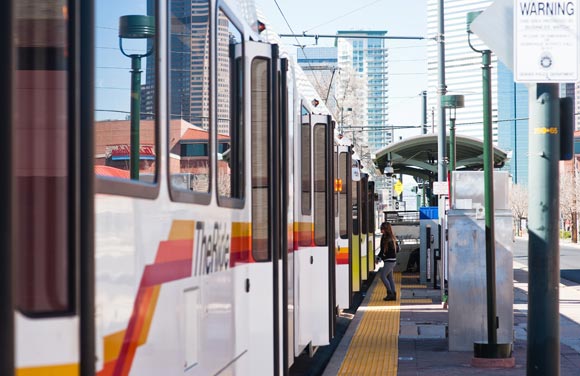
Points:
(452, 103)
(135, 27)
(491, 349)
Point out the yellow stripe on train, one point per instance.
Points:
(60, 370)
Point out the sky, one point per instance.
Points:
(407, 58)
(112, 75)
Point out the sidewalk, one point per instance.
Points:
(422, 343)
(423, 356)
(423, 348)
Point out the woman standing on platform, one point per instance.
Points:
(388, 254)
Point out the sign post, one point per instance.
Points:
(544, 52)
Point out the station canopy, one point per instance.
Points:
(417, 156)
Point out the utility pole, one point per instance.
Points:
(424, 102)
(442, 90)
(441, 143)
(543, 350)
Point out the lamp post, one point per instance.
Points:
(135, 27)
(452, 103)
(491, 349)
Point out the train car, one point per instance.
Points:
(344, 222)
(168, 189)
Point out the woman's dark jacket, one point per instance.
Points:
(388, 249)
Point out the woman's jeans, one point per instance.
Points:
(387, 276)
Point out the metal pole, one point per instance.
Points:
(441, 140)
(442, 90)
(515, 149)
(451, 153)
(543, 351)
(489, 206)
(452, 143)
(135, 114)
(424, 100)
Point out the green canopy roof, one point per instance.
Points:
(417, 156)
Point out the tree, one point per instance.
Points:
(568, 201)
(519, 204)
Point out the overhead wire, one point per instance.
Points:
(302, 47)
(342, 16)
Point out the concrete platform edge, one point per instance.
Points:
(340, 353)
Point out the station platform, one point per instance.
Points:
(409, 336)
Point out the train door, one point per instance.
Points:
(343, 250)
(322, 258)
(355, 242)
(47, 324)
(371, 224)
(364, 250)
(286, 115)
(268, 217)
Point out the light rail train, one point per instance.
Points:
(197, 215)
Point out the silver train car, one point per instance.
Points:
(174, 200)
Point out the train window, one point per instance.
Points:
(342, 197)
(230, 162)
(44, 157)
(364, 204)
(259, 145)
(125, 125)
(320, 184)
(371, 201)
(189, 101)
(305, 165)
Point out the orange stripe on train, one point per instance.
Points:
(342, 255)
(303, 234)
(241, 244)
(172, 262)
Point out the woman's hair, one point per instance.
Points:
(389, 232)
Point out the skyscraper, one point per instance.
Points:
(513, 124)
(189, 58)
(370, 61)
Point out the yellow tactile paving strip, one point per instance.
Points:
(374, 348)
(413, 287)
(417, 301)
